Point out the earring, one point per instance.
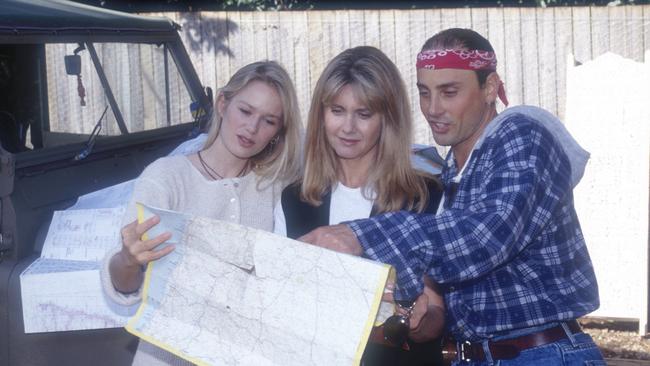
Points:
(274, 141)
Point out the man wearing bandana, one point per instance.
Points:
(506, 245)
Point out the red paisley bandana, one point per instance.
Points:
(463, 60)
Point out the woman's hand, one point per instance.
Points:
(126, 266)
(138, 252)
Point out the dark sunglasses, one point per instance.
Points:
(396, 327)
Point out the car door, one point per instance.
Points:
(85, 108)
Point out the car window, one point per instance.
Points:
(145, 83)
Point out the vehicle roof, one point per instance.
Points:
(66, 17)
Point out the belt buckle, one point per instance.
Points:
(463, 350)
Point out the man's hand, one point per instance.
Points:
(428, 316)
(339, 238)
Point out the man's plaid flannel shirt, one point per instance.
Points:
(508, 250)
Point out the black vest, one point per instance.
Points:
(301, 217)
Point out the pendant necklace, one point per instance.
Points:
(211, 172)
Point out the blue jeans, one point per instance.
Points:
(576, 349)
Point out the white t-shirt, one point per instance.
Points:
(346, 204)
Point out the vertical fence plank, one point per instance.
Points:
(581, 17)
(448, 18)
(634, 33)
(260, 34)
(463, 18)
(235, 41)
(274, 40)
(222, 52)
(563, 47)
(136, 110)
(617, 31)
(432, 23)
(403, 43)
(315, 36)
(179, 99)
(387, 33)
(301, 58)
(286, 42)
(330, 33)
(193, 38)
(371, 30)
(54, 92)
(495, 34)
(530, 58)
(207, 38)
(480, 21)
(356, 28)
(599, 30)
(249, 38)
(249, 54)
(148, 97)
(418, 34)
(646, 32)
(343, 30)
(513, 57)
(547, 61)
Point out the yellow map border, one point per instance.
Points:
(370, 323)
(130, 326)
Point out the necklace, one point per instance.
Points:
(211, 172)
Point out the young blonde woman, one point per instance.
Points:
(251, 149)
(357, 164)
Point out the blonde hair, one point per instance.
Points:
(394, 184)
(280, 159)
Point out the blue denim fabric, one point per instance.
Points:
(576, 349)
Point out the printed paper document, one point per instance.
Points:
(233, 295)
(61, 290)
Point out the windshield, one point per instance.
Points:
(144, 80)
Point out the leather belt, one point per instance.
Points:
(508, 348)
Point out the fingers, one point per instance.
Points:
(137, 251)
(310, 237)
(129, 234)
(151, 255)
(419, 311)
(143, 227)
(339, 238)
(134, 231)
(388, 292)
(388, 296)
(420, 323)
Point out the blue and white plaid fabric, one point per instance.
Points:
(508, 250)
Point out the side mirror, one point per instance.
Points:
(72, 64)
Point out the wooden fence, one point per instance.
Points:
(533, 45)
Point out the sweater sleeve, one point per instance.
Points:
(107, 283)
